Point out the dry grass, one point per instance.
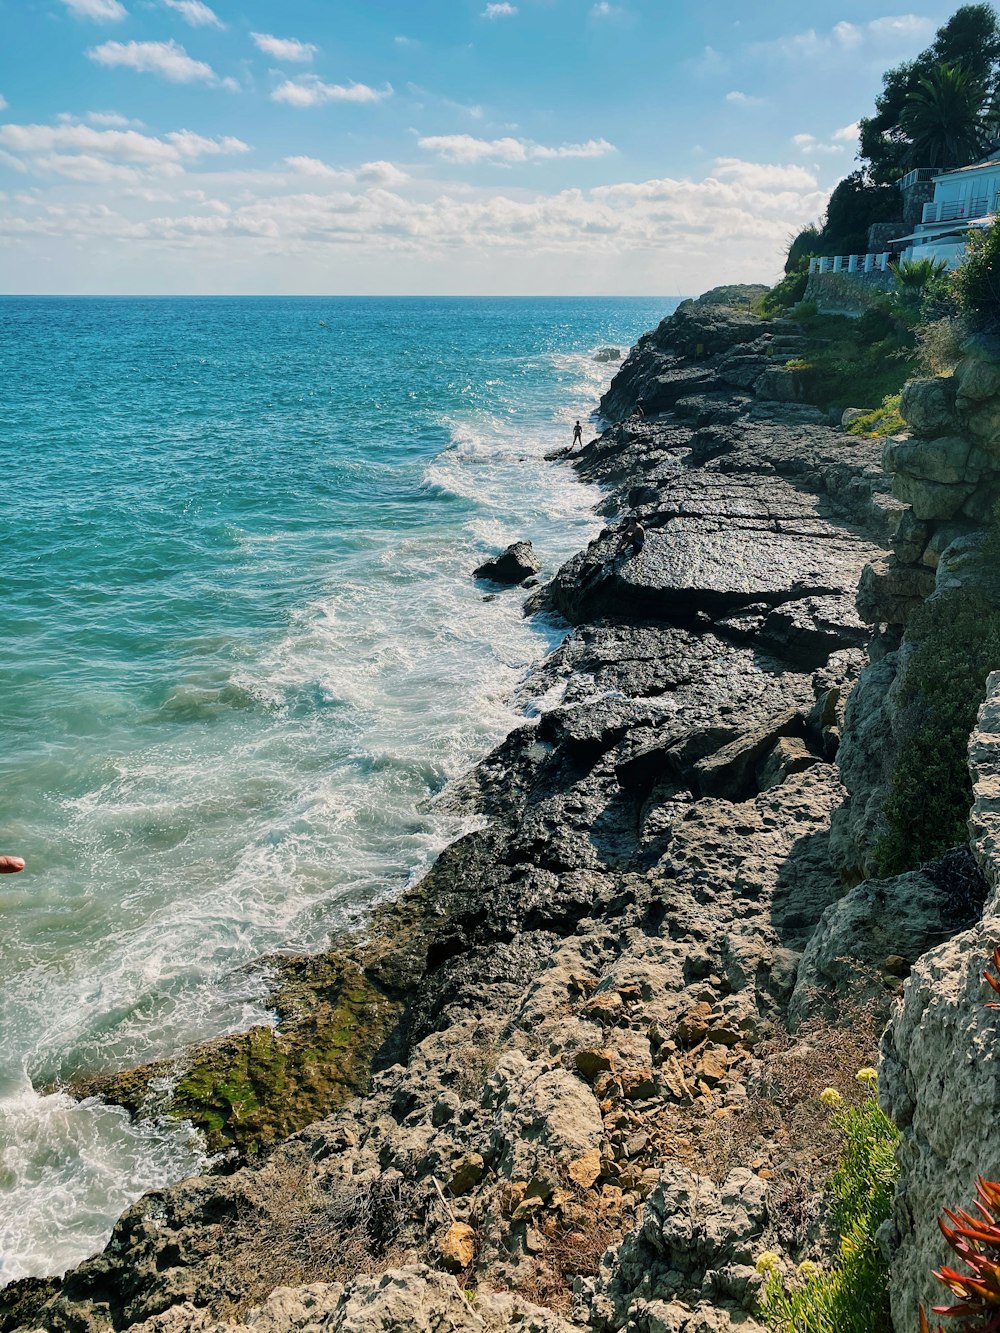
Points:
(572, 1251)
(311, 1233)
(783, 1126)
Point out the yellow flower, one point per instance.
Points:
(867, 1075)
(831, 1097)
(808, 1269)
(768, 1262)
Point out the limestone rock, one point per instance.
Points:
(903, 917)
(689, 1260)
(928, 406)
(790, 755)
(457, 1247)
(517, 563)
(944, 460)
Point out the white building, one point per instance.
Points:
(963, 199)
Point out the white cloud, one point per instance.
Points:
(385, 174)
(499, 11)
(848, 134)
(744, 99)
(167, 59)
(763, 176)
(101, 11)
(465, 148)
(111, 120)
(194, 12)
(604, 10)
(312, 91)
(892, 33)
(731, 225)
(382, 173)
(317, 170)
(284, 48)
(405, 41)
(3, 102)
(116, 145)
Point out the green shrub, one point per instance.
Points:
(784, 294)
(940, 297)
(851, 1295)
(939, 344)
(978, 278)
(957, 645)
(854, 361)
(881, 422)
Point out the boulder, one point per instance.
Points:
(879, 929)
(928, 406)
(944, 460)
(608, 354)
(852, 414)
(931, 499)
(514, 565)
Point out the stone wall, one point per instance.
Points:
(847, 293)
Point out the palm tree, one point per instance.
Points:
(944, 119)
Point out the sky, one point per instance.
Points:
(519, 147)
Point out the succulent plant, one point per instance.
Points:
(993, 981)
(976, 1241)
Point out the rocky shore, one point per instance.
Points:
(570, 1080)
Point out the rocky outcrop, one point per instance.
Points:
(517, 563)
(568, 1020)
(941, 1059)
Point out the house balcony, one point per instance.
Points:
(959, 209)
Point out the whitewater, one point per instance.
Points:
(242, 651)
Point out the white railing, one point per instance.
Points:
(918, 174)
(851, 263)
(950, 210)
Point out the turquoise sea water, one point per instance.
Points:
(241, 650)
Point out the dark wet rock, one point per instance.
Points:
(517, 563)
(608, 354)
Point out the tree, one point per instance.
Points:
(970, 42)
(802, 248)
(854, 205)
(943, 119)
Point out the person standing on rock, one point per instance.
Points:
(577, 435)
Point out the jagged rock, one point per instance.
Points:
(517, 563)
(691, 1257)
(729, 772)
(844, 961)
(608, 354)
(928, 406)
(941, 1055)
(779, 384)
(467, 1173)
(888, 591)
(789, 755)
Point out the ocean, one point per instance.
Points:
(242, 649)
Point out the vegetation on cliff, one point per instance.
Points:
(956, 644)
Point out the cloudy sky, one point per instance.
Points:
(426, 146)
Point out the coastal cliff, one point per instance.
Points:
(570, 1080)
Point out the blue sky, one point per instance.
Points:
(436, 146)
